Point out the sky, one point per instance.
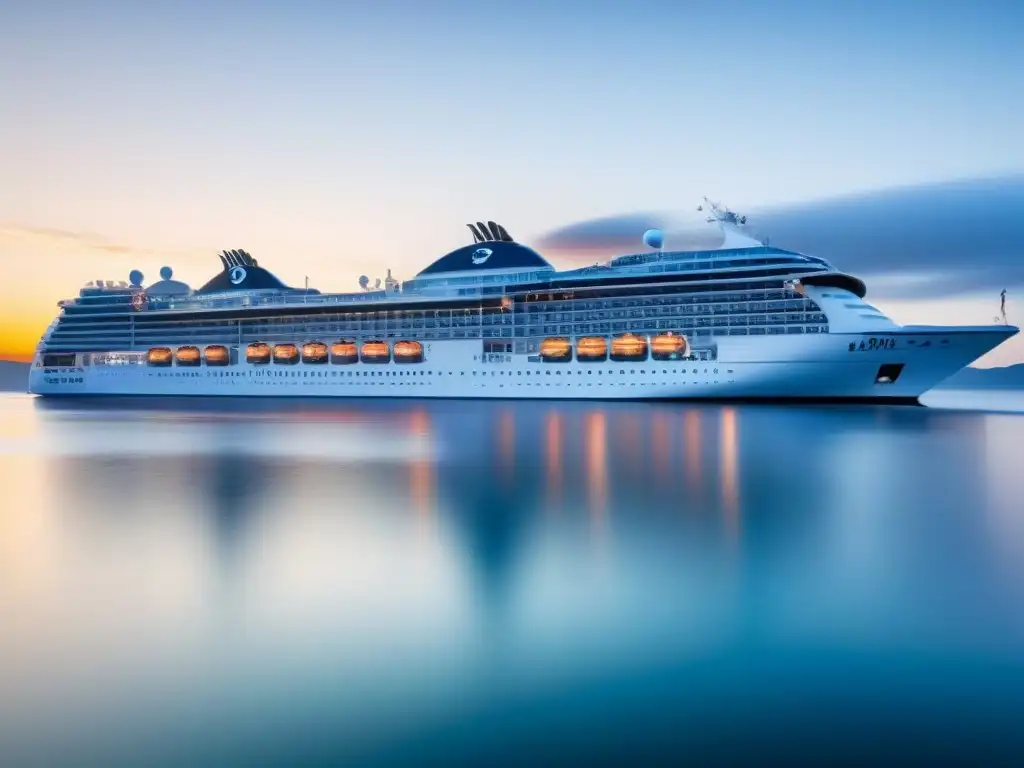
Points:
(331, 140)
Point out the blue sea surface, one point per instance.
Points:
(220, 581)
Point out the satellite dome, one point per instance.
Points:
(653, 238)
(166, 273)
(135, 278)
(364, 281)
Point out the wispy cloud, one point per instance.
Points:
(921, 242)
(954, 237)
(602, 233)
(62, 240)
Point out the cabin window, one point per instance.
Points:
(57, 361)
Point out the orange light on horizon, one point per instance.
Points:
(19, 337)
(16, 356)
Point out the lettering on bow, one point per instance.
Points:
(872, 344)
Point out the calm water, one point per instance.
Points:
(433, 582)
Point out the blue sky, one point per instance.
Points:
(335, 140)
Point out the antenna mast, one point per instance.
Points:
(718, 213)
(731, 224)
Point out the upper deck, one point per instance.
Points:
(487, 268)
(492, 288)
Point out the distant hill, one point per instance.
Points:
(13, 376)
(1010, 377)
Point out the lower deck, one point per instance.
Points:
(841, 366)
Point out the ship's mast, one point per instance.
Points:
(718, 213)
(729, 222)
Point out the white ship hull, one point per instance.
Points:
(831, 366)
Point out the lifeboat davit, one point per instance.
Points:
(408, 352)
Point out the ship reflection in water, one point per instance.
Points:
(421, 582)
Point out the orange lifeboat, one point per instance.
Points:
(592, 349)
(188, 356)
(286, 354)
(217, 354)
(408, 352)
(257, 354)
(159, 357)
(556, 349)
(629, 348)
(668, 346)
(314, 352)
(375, 352)
(344, 353)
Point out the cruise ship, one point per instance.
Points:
(493, 319)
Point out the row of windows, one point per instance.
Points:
(723, 313)
(532, 335)
(527, 373)
(713, 325)
(652, 307)
(612, 290)
(739, 265)
(718, 255)
(505, 278)
(793, 311)
(706, 261)
(540, 326)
